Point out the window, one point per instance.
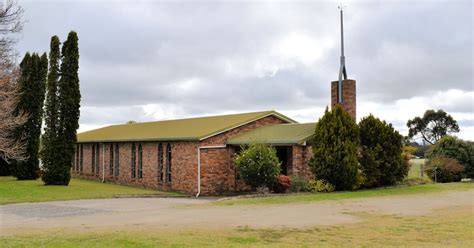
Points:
(134, 160)
(93, 159)
(160, 162)
(81, 158)
(168, 163)
(111, 160)
(140, 161)
(76, 164)
(117, 160)
(97, 164)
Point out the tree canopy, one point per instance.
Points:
(432, 126)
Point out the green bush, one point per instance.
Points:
(299, 184)
(258, 165)
(335, 149)
(447, 169)
(381, 148)
(320, 186)
(452, 147)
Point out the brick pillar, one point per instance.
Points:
(348, 96)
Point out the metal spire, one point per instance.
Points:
(342, 68)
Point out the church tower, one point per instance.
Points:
(343, 91)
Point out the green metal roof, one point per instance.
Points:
(171, 130)
(280, 134)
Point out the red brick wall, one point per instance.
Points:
(349, 103)
(183, 166)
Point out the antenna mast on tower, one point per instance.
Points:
(342, 68)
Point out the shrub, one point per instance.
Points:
(360, 180)
(320, 185)
(335, 149)
(282, 184)
(447, 169)
(452, 147)
(299, 184)
(258, 165)
(381, 148)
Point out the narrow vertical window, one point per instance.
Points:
(160, 162)
(97, 159)
(111, 160)
(134, 160)
(117, 160)
(76, 164)
(81, 158)
(93, 159)
(168, 163)
(140, 161)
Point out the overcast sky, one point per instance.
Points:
(156, 60)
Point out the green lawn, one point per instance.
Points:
(415, 168)
(14, 191)
(443, 228)
(390, 191)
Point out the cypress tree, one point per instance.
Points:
(69, 98)
(50, 153)
(381, 153)
(32, 86)
(335, 150)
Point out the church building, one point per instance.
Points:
(195, 155)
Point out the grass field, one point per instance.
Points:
(442, 228)
(391, 191)
(14, 191)
(416, 168)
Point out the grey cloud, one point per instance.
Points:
(133, 54)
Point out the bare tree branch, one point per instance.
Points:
(10, 24)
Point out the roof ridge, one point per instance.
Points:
(198, 117)
(188, 118)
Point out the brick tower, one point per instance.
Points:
(343, 91)
(348, 96)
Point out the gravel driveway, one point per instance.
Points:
(195, 213)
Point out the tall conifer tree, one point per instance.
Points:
(32, 82)
(63, 104)
(69, 97)
(335, 149)
(50, 153)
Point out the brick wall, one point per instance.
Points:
(348, 95)
(301, 155)
(183, 165)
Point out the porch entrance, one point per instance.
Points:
(284, 154)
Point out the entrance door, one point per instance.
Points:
(284, 155)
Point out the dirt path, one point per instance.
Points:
(113, 214)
